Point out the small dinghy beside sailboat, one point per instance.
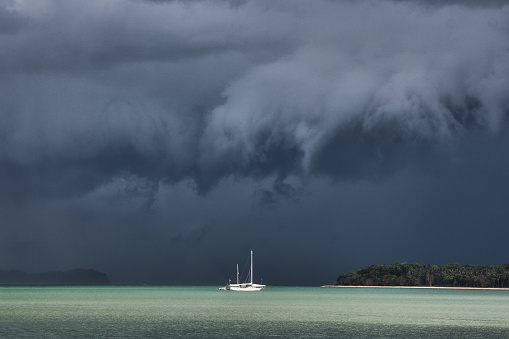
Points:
(247, 286)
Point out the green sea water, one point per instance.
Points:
(290, 312)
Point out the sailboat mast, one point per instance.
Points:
(237, 274)
(251, 274)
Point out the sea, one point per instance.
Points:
(280, 312)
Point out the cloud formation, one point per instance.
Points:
(204, 89)
(123, 102)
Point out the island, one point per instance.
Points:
(405, 274)
(76, 277)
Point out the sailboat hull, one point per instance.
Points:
(245, 287)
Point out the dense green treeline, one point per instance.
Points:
(450, 275)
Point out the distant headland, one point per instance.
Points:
(76, 277)
(416, 275)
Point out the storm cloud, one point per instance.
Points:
(147, 137)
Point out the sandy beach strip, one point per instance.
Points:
(425, 287)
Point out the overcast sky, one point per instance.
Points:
(160, 141)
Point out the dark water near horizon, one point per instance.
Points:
(206, 312)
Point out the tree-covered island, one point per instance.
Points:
(405, 274)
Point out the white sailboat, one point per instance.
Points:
(245, 287)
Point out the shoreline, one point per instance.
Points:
(422, 287)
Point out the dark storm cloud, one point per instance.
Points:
(113, 114)
(11, 21)
(253, 90)
(68, 37)
(379, 79)
(473, 3)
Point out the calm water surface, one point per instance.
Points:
(206, 312)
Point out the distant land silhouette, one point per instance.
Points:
(76, 277)
(450, 275)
